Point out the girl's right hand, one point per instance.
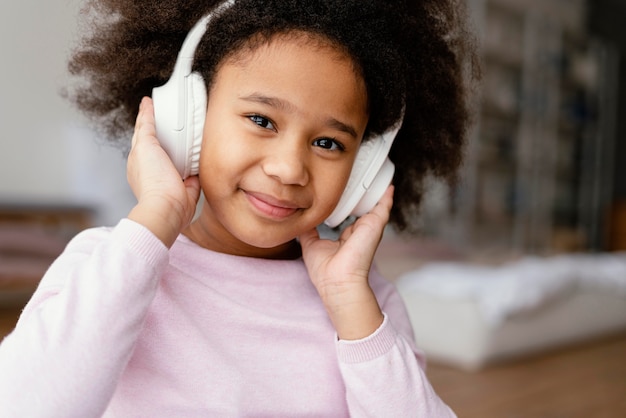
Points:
(165, 203)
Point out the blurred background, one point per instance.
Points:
(542, 171)
(49, 155)
(542, 179)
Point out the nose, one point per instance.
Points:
(286, 162)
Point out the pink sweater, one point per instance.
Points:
(122, 327)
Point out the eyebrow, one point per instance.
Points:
(288, 107)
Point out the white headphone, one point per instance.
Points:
(180, 111)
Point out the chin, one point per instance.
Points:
(270, 238)
(269, 244)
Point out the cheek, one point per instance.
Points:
(219, 153)
(331, 187)
(216, 166)
(219, 145)
(210, 162)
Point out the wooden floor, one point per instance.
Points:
(586, 381)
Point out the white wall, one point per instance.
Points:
(47, 154)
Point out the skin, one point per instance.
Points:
(284, 123)
(283, 127)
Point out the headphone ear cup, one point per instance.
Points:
(196, 116)
(180, 104)
(376, 190)
(371, 174)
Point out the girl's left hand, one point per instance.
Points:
(340, 270)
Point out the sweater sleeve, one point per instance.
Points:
(77, 333)
(384, 373)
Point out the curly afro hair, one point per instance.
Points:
(412, 55)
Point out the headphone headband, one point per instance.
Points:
(184, 61)
(180, 110)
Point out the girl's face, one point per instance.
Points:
(283, 126)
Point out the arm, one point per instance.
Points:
(77, 333)
(165, 204)
(382, 371)
(340, 270)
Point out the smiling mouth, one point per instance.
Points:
(270, 206)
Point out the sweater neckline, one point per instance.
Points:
(183, 239)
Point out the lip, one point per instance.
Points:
(270, 206)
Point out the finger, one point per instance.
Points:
(372, 223)
(368, 230)
(192, 186)
(308, 238)
(144, 123)
(384, 205)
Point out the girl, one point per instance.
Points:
(244, 310)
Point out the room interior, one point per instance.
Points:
(516, 284)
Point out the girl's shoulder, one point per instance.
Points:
(89, 237)
(126, 242)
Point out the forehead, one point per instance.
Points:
(296, 75)
(260, 43)
(296, 46)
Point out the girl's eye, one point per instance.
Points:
(329, 144)
(261, 121)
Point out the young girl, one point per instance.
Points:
(244, 310)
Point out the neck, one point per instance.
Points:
(204, 237)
